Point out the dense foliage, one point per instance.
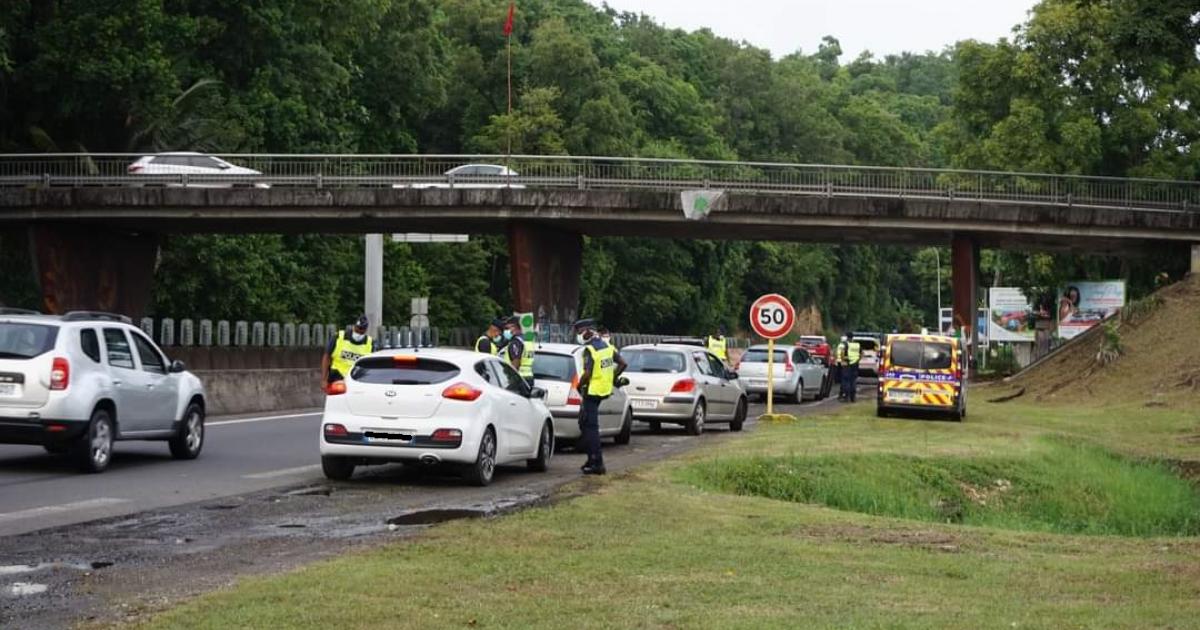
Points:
(1102, 86)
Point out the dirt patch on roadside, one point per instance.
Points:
(857, 534)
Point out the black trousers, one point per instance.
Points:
(589, 429)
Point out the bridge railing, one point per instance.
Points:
(600, 173)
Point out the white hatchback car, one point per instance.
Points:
(74, 384)
(434, 406)
(472, 176)
(556, 369)
(203, 171)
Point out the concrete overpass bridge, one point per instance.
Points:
(95, 226)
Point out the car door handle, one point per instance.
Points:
(150, 386)
(116, 382)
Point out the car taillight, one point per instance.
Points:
(462, 391)
(135, 168)
(336, 430)
(335, 388)
(60, 374)
(446, 435)
(683, 386)
(574, 398)
(789, 368)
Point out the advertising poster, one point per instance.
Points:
(1082, 305)
(1010, 315)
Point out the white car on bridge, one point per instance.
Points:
(202, 171)
(435, 406)
(472, 176)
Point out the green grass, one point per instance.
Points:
(1061, 487)
(645, 551)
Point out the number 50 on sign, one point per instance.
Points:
(772, 316)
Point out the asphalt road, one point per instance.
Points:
(151, 530)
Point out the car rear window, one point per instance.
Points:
(402, 371)
(921, 355)
(758, 355)
(553, 367)
(653, 361)
(25, 341)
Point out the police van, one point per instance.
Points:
(922, 373)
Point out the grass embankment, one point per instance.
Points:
(646, 551)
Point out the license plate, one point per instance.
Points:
(757, 382)
(388, 436)
(644, 404)
(10, 390)
(902, 396)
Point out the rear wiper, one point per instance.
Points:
(655, 371)
(400, 381)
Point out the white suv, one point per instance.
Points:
(77, 382)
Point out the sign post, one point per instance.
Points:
(772, 317)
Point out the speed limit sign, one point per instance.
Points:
(772, 316)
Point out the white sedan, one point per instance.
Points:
(208, 171)
(556, 369)
(472, 176)
(435, 406)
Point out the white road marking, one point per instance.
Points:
(283, 472)
(261, 419)
(57, 509)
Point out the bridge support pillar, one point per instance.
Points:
(547, 264)
(93, 268)
(1196, 258)
(964, 277)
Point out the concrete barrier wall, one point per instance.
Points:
(215, 358)
(261, 390)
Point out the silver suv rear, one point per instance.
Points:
(75, 383)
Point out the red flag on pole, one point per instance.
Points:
(508, 23)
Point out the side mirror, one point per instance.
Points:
(622, 381)
(225, 167)
(537, 392)
(731, 375)
(177, 366)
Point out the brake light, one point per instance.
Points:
(789, 368)
(462, 391)
(683, 386)
(574, 398)
(60, 374)
(404, 360)
(135, 168)
(56, 428)
(336, 430)
(335, 388)
(446, 435)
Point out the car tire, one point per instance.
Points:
(190, 438)
(880, 412)
(623, 437)
(93, 451)
(695, 424)
(483, 470)
(337, 468)
(739, 416)
(541, 463)
(655, 427)
(798, 395)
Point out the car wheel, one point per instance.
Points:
(695, 425)
(481, 472)
(626, 429)
(337, 468)
(880, 412)
(93, 452)
(739, 417)
(545, 450)
(190, 439)
(655, 427)
(798, 395)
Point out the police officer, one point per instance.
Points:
(512, 347)
(489, 342)
(601, 367)
(718, 345)
(849, 353)
(344, 349)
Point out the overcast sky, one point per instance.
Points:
(881, 26)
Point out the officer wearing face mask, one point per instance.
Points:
(512, 348)
(490, 341)
(601, 367)
(344, 349)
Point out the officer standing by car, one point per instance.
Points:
(718, 345)
(489, 342)
(513, 350)
(849, 352)
(344, 349)
(601, 367)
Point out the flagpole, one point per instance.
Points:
(508, 55)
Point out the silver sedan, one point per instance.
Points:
(797, 374)
(684, 385)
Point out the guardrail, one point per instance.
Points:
(601, 173)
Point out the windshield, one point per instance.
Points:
(653, 361)
(402, 371)
(921, 355)
(25, 341)
(759, 355)
(553, 367)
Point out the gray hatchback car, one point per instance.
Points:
(684, 385)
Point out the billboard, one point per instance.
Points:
(1082, 305)
(1010, 315)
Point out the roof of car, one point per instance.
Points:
(559, 348)
(778, 347)
(180, 153)
(662, 346)
(449, 354)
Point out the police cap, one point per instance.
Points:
(499, 322)
(362, 322)
(584, 324)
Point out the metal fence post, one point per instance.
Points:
(241, 333)
(258, 333)
(223, 333)
(186, 332)
(166, 332)
(206, 332)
